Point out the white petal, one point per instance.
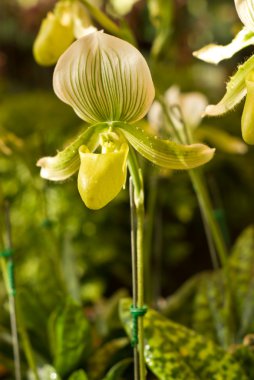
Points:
(104, 79)
(215, 53)
(245, 10)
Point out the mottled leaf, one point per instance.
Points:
(102, 357)
(118, 369)
(174, 352)
(69, 337)
(242, 268)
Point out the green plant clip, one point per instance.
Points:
(136, 312)
(7, 254)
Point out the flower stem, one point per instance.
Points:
(207, 210)
(108, 24)
(8, 274)
(137, 200)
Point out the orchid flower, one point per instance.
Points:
(241, 83)
(69, 20)
(108, 84)
(213, 53)
(190, 107)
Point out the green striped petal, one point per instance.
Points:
(236, 90)
(213, 53)
(67, 162)
(166, 153)
(104, 79)
(245, 10)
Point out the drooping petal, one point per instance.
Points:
(247, 122)
(221, 140)
(245, 10)
(213, 53)
(166, 153)
(236, 90)
(66, 162)
(104, 79)
(101, 176)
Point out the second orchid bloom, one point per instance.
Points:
(108, 84)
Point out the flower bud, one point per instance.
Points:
(101, 176)
(248, 111)
(55, 35)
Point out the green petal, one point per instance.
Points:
(221, 140)
(236, 90)
(67, 162)
(166, 153)
(213, 53)
(245, 10)
(104, 79)
(247, 122)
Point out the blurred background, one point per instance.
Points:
(60, 246)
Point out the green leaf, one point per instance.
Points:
(102, 357)
(242, 267)
(166, 153)
(47, 372)
(213, 53)
(70, 337)
(174, 352)
(221, 140)
(67, 162)
(78, 375)
(118, 369)
(245, 10)
(236, 90)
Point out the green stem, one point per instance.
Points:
(27, 347)
(8, 275)
(136, 175)
(207, 209)
(108, 24)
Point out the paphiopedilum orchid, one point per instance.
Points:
(108, 84)
(69, 20)
(188, 109)
(241, 83)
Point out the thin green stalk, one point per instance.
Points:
(138, 282)
(207, 209)
(108, 24)
(149, 232)
(9, 278)
(140, 270)
(134, 269)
